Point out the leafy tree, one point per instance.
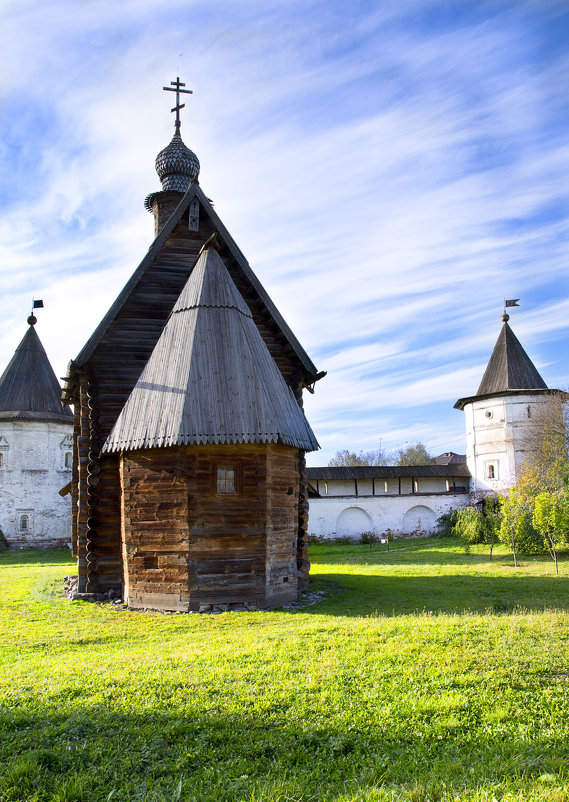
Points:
(446, 523)
(551, 520)
(479, 525)
(546, 446)
(492, 522)
(415, 454)
(350, 458)
(516, 528)
(468, 524)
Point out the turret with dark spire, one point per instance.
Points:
(29, 389)
(36, 448)
(502, 413)
(509, 370)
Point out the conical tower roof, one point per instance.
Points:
(510, 370)
(29, 389)
(210, 378)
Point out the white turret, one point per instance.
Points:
(35, 449)
(499, 416)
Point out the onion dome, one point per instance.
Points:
(177, 166)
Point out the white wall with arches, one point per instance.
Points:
(348, 516)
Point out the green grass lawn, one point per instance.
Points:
(424, 674)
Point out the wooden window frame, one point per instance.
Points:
(238, 479)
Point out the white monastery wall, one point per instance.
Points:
(406, 514)
(35, 464)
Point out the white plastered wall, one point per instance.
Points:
(33, 470)
(496, 439)
(335, 516)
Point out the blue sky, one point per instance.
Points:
(391, 170)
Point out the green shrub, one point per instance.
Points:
(550, 518)
(469, 525)
(479, 524)
(516, 527)
(446, 524)
(369, 538)
(3, 542)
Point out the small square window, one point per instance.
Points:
(68, 460)
(226, 479)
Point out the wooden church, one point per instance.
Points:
(189, 480)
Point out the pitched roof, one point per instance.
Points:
(29, 389)
(210, 378)
(510, 370)
(256, 288)
(388, 472)
(450, 458)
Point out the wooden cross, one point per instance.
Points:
(176, 86)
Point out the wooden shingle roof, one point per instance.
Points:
(510, 370)
(331, 473)
(210, 378)
(257, 292)
(29, 389)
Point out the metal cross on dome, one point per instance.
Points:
(176, 86)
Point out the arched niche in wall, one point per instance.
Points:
(420, 520)
(352, 521)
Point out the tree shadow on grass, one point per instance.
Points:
(362, 595)
(426, 551)
(97, 753)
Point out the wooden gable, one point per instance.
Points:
(123, 342)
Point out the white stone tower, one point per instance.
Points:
(499, 416)
(35, 449)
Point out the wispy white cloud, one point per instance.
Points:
(391, 173)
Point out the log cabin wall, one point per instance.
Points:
(156, 546)
(228, 530)
(187, 546)
(75, 478)
(302, 558)
(281, 575)
(108, 512)
(83, 444)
